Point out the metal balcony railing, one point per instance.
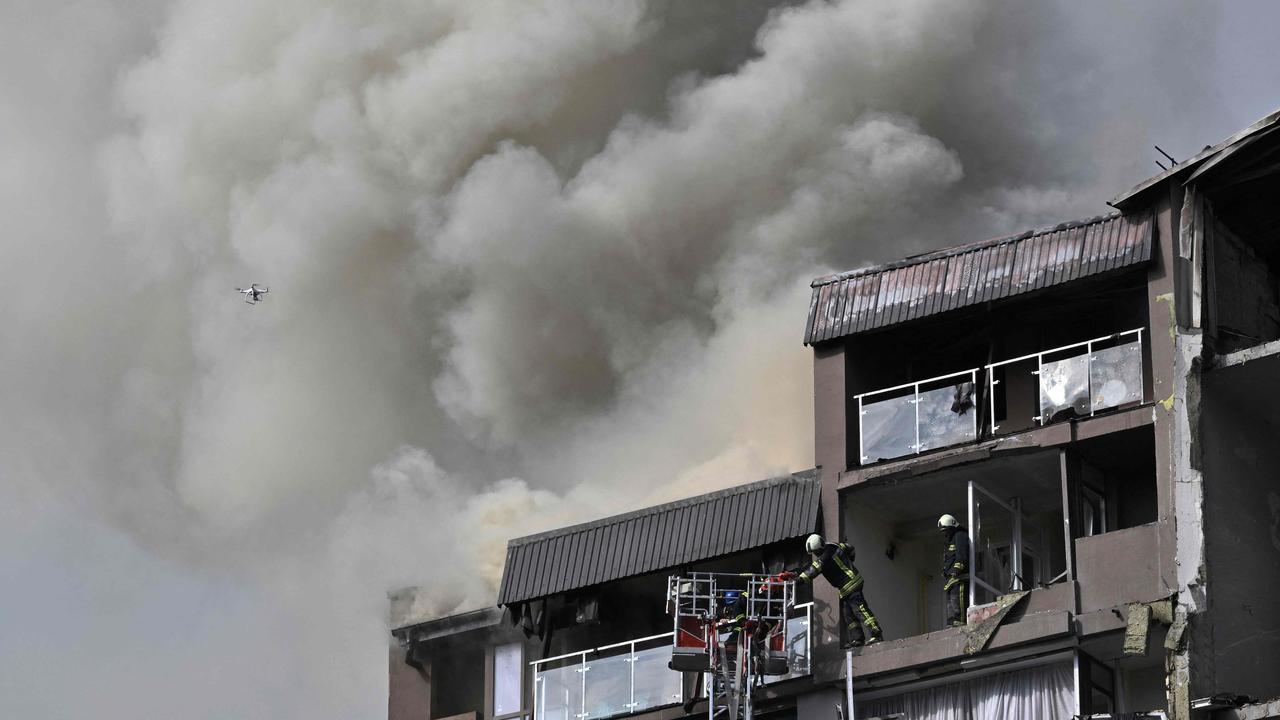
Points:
(625, 678)
(937, 412)
(1075, 380)
(608, 681)
(1082, 378)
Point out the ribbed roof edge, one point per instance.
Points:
(954, 250)
(657, 509)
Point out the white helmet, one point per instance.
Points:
(947, 521)
(813, 544)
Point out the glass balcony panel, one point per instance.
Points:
(947, 416)
(888, 429)
(993, 545)
(797, 647)
(1116, 376)
(608, 685)
(1064, 389)
(656, 684)
(559, 693)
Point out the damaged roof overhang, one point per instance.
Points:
(925, 285)
(1208, 157)
(452, 624)
(661, 537)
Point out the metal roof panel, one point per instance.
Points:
(660, 537)
(921, 286)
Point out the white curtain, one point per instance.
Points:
(1047, 692)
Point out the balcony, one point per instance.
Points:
(1062, 383)
(609, 681)
(632, 676)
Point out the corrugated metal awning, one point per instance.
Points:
(855, 302)
(661, 537)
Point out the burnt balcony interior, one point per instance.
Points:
(635, 607)
(1242, 256)
(1013, 506)
(998, 369)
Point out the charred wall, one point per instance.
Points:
(1247, 293)
(1241, 465)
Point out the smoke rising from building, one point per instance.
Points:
(530, 263)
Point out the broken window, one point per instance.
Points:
(1016, 529)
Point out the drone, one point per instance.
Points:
(252, 294)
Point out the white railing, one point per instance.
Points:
(1078, 380)
(625, 678)
(912, 423)
(607, 681)
(1084, 382)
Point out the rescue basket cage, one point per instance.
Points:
(721, 610)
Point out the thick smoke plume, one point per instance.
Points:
(529, 263)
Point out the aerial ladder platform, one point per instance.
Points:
(732, 628)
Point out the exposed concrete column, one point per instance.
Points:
(1162, 315)
(1175, 388)
(1177, 346)
(830, 408)
(831, 453)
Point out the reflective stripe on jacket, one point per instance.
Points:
(835, 563)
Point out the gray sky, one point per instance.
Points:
(529, 263)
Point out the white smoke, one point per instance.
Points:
(529, 262)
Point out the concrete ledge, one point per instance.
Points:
(1257, 711)
(1241, 357)
(1054, 435)
(1059, 596)
(948, 645)
(1101, 621)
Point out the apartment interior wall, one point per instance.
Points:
(1121, 467)
(899, 550)
(1247, 292)
(1242, 256)
(1240, 424)
(1142, 688)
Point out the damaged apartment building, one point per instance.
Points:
(1098, 402)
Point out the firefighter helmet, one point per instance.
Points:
(947, 521)
(814, 544)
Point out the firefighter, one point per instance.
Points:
(955, 570)
(834, 561)
(733, 610)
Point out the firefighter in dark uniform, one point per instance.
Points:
(834, 561)
(955, 570)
